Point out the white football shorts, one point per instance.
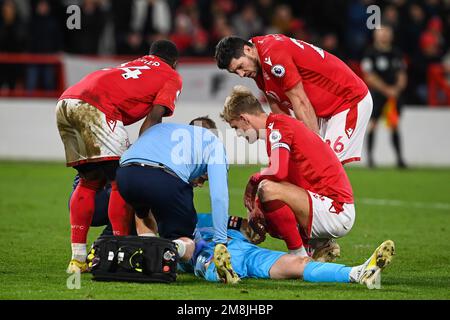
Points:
(325, 223)
(87, 134)
(344, 132)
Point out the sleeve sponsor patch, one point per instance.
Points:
(274, 136)
(280, 145)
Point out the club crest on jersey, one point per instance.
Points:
(268, 61)
(349, 132)
(111, 124)
(278, 70)
(274, 136)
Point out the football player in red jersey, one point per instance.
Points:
(297, 76)
(305, 183)
(91, 117)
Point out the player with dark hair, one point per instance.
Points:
(385, 72)
(304, 185)
(91, 118)
(297, 76)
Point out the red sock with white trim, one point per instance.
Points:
(281, 223)
(82, 206)
(119, 213)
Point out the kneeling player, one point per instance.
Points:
(305, 184)
(251, 261)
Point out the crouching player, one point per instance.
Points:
(251, 261)
(304, 189)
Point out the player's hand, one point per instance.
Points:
(250, 192)
(250, 233)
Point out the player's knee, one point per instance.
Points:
(301, 262)
(265, 192)
(270, 190)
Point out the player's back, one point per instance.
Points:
(312, 165)
(185, 149)
(128, 92)
(330, 84)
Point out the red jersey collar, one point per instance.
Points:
(269, 120)
(150, 57)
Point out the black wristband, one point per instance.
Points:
(234, 222)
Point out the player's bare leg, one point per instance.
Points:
(289, 267)
(146, 227)
(369, 273)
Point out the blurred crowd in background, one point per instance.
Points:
(128, 27)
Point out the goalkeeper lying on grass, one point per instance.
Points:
(250, 261)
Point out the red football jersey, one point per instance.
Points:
(329, 83)
(128, 92)
(313, 165)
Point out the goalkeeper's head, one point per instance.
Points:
(166, 50)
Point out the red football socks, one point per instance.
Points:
(119, 213)
(281, 223)
(82, 206)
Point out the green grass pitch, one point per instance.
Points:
(411, 207)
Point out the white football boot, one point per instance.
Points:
(369, 273)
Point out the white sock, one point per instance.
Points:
(355, 273)
(147, 234)
(299, 252)
(79, 251)
(181, 247)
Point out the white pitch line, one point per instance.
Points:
(401, 203)
(381, 202)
